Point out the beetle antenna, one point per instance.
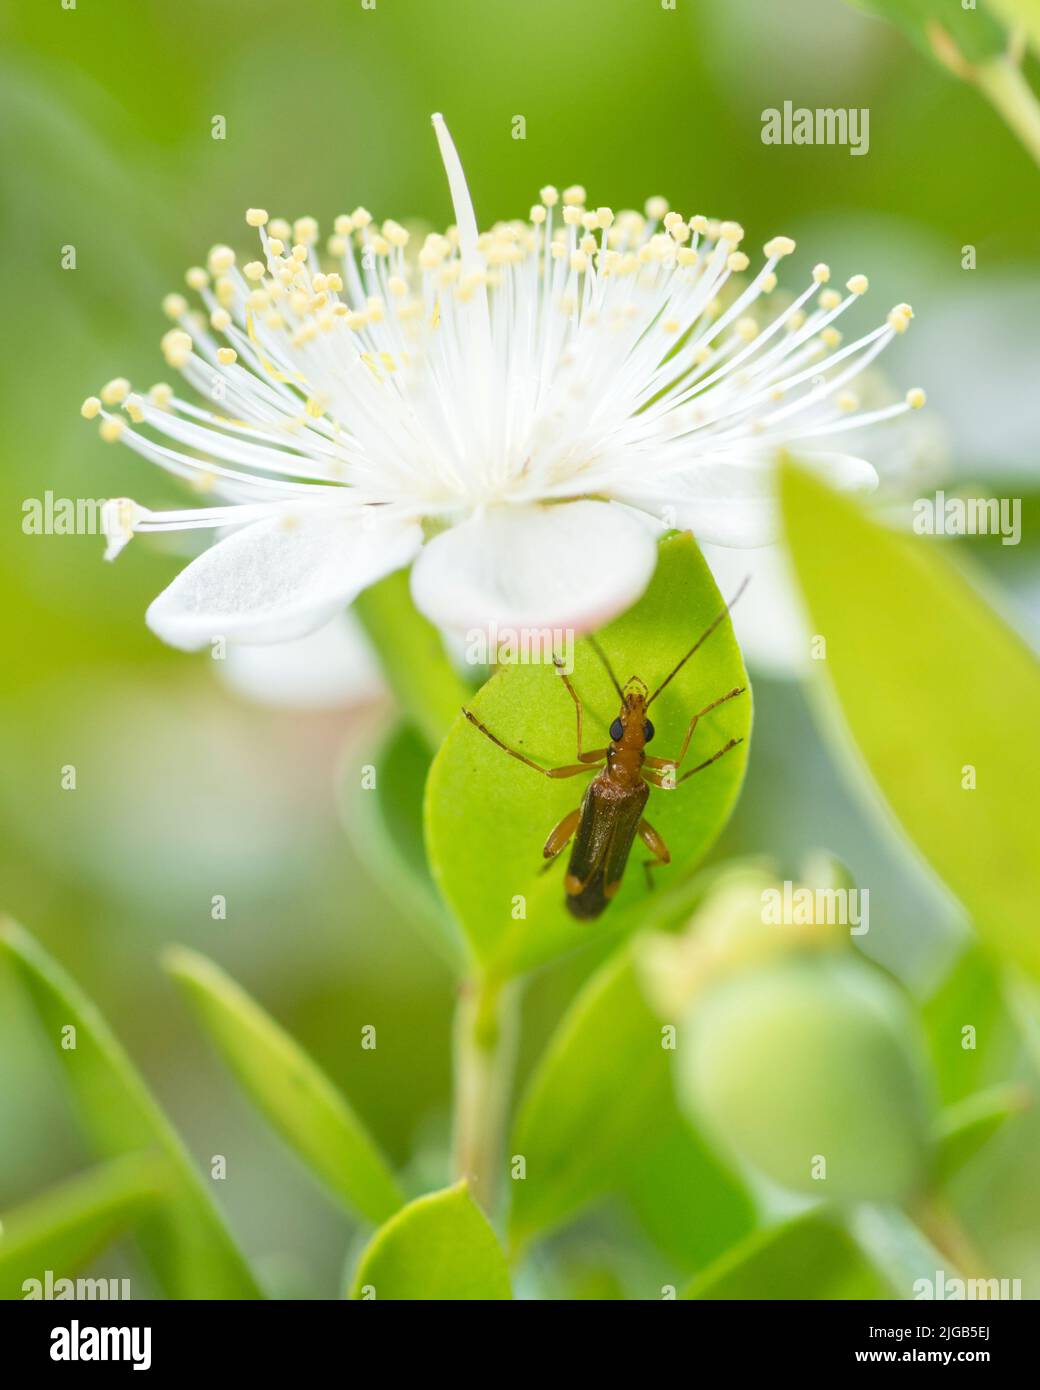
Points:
(607, 666)
(701, 639)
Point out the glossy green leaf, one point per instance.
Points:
(931, 684)
(967, 1127)
(426, 685)
(65, 1227)
(385, 825)
(687, 1201)
(488, 816)
(184, 1238)
(439, 1247)
(289, 1088)
(593, 1105)
(812, 1256)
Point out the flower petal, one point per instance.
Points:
(333, 667)
(572, 566)
(278, 579)
(734, 503)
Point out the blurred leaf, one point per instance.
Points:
(930, 681)
(687, 1201)
(488, 816)
(440, 1247)
(64, 1228)
(968, 1127)
(288, 1086)
(185, 1238)
(1024, 14)
(971, 996)
(593, 1105)
(427, 686)
(386, 826)
(976, 34)
(809, 1257)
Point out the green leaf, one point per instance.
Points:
(971, 996)
(288, 1086)
(968, 1127)
(488, 816)
(1024, 14)
(689, 1204)
(929, 681)
(185, 1238)
(385, 824)
(439, 1247)
(931, 24)
(65, 1227)
(810, 1257)
(593, 1105)
(427, 686)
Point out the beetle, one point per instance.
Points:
(605, 825)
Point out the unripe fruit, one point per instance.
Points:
(814, 1057)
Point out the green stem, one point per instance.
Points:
(485, 1048)
(1001, 81)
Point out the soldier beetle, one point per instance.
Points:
(605, 825)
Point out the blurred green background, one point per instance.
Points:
(184, 789)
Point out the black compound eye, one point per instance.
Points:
(648, 731)
(616, 730)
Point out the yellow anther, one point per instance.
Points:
(905, 310)
(334, 282)
(699, 224)
(671, 325)
(132, 406)
(360, 217)
(176, 346)
(571, 216)
(686, 255)
(747, 329)
(859, 284)
(579, 261)
(395, 234)
(769, 282)
(604, 217)
(280, 228)
(90, 407)
(256, 217)
(111, 428)
(379, 245)
(732, 232)
(656, 207)
(196, 278)
(254, 270)
(175, 306)
(821, 273)
(220, 260)
(397, 287)
(896, 320)
(115, 391)
(737, 261)
(915, 398)
(847, 401)
(276, 247)
(161, 395)
(795, 320)
(549, 195)
(299, 253)
(305, 230)
(537, 214)
(779, 246)
(830, 337)
(574, 196)
(344, 224)
(226, 355)
(220, 320)
(829, 299)
(336, 246)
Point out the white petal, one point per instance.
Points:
(572, 566)
(734, 504)
(279, 579)
(768, 620)
(333, 667)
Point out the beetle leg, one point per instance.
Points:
(560, 836)
(657, 847)
(713, 759)
(674, 763)
(570, 770)
(595, 755)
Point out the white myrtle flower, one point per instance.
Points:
(518, 412)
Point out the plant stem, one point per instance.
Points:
(940, 1223)
(485, 1048)
(1001, 81)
